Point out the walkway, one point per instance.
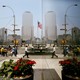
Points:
(44, 64)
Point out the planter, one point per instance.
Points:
(28, 77)
(17, 70)
(68, 77)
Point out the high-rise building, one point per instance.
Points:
(50, 26)
(27, 26)
(3, 34)
(75, 35)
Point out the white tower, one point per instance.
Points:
(50, 26)
(27, 26)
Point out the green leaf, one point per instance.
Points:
(4, 78)
(9, 74)
(9, 69)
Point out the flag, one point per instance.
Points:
(39, 25)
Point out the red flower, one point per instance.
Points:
(62, 62)
(31, 62)
(16, 68)
(20, 60)
(67, 62)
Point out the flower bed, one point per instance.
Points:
(20, 68)
(70, 67)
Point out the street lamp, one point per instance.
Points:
(65, 29)
(65, 16)
(13, 18)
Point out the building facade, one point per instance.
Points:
(27, 26)
(50, 26)
(76, 35)
(10, 39)
(3, 34)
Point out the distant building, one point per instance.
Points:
(71, 39)
(68, 39)
(76, 35)
(10, 39)
(27, 26)
(50, 26)
(3, 34)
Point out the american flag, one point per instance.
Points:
(39, 25)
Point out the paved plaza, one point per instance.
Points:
(43, 62)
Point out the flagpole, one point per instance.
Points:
(42, 20)
(37, 29)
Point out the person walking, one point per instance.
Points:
(26, 52)
(13, 51)
(53, 53)
(66, 51)
(16, 52)
(2, 51)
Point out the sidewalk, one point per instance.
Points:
(42, 61)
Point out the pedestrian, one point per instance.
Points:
(9, 48)
(16, 52)
(26, 52)
(2, 51)
(13, 51)
(5, 51)
(64, 51)
(53, 53)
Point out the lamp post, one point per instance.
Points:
(13, 18)
(65, 16)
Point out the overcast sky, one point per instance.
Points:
(35, 7)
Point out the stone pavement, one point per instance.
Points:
(42, 62)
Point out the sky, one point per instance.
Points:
(60, 7)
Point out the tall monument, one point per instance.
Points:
(27, 26)
(50, 26)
